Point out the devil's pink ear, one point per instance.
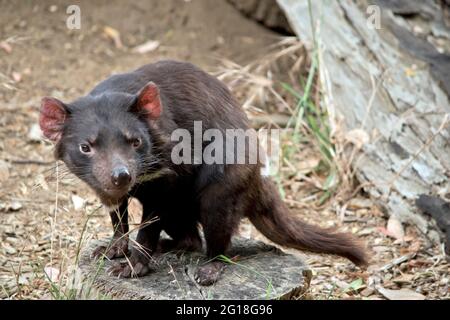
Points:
(52, 117)
(149, 101)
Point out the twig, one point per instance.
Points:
(398, 261)
(53, 221)
(30, 161)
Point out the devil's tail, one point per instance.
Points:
(273, 220)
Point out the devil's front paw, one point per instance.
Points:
(137, 265)
(118, 248)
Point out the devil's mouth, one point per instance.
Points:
(113, 195)
(117, 191)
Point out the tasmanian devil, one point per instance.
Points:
(118, 140)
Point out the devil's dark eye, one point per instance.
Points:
(136, 142)
(85, 148)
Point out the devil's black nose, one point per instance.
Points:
(120, 176)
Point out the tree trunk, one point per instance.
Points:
(258, 271)
(392, 83)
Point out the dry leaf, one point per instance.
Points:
(307, 165)
(41, 182)
(4, 171)
(410, 72)
(402, 294)
(414, 247)
(383, 230)
(367, 292)
(357, 137)
(8, 249)
(35, 133)
(15, 206)
(295, 187)
(114, 35)
(23, 280)
(17, 77)
(11, 206)
(148, 46)
(78, 202)
(52, 273)
(360, 203)
(404, 278)
(395, 228)
(6, 46)
(341, 284)
(365, 231)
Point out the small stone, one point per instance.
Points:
(53, 8)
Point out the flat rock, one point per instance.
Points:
(258, 271)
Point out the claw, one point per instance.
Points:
(125, 270)
(137, 269)
(118, 249)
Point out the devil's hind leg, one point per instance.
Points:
(219, 218)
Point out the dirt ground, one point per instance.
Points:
(43, 57)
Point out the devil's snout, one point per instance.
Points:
(121, 176)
